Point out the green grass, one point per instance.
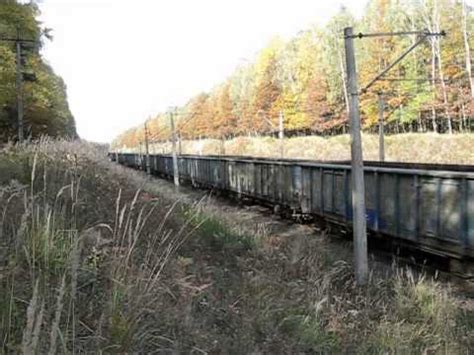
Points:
(220, 238)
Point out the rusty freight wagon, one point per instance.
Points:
(428, 206)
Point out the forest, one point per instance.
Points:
(304, 80)
(46, 109)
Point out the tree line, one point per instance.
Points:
(46, 109)
(304, 79)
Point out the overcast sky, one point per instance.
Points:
(125, 60)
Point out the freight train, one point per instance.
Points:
(427, 206)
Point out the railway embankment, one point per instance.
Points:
(96, 257)
(404, 147)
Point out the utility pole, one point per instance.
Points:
(20, 76)
(281, 135)
(358, 184)
(381, 129)
(357, 173)
(147, 152)
(173, 147)
(19, 89)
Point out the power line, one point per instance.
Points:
(10, 39)
(392, 34)
(424, 36)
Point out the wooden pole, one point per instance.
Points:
(281, 135)
(173, 147)
(140, 151)
(357, 173)
(381, 129)
(222, 146)
(179, 144)
(19, 91)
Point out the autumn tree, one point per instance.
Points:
(304, 77)
(267, 88)
(46, 106)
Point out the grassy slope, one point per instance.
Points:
(88, 264)
(409, 147)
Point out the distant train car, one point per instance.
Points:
(430, 206)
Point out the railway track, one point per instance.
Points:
(416, 209)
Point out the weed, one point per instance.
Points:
(220, 238)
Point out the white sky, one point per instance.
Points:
(125, 60)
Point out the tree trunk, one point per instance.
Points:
(466, 47)
(445, 94)
(429, 19)
(440, 66)
(344, 85)
(433, 84)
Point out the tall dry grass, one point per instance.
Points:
(76, 249)
(97, 258)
